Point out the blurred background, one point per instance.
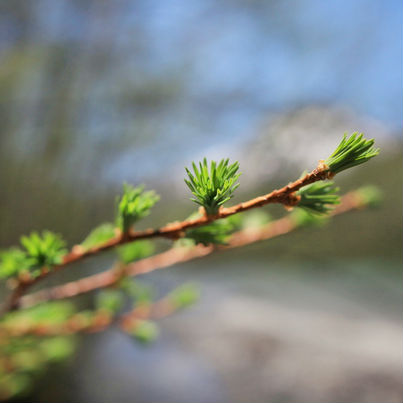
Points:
(94, 93)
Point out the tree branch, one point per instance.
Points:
(285, 195)
(101, 320)
(176, 255)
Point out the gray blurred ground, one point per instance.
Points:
(261, 332)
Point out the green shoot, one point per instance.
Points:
(135, 250)
(144, 331)
(212, 188)
(215, 233)
(55, 312)
(98, 236)
(140, 294)
(369, 195)
(58, 348)
(184, 296)
(110, 300)
(133, 205)
(12, 262)
(302, 218)
(46, 250)
(318, 198)
(352, 151)
(255, 219)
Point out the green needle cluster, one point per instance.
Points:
(110, 300)
(144, 331)
(184, 296)
(135, 251)
(98, 235)
(216, 232)
(318, 198)
(44, 250)
(352, 151)
(215, 186)
(133, 205)
(302, 218)
(370, 195)
(12, 262)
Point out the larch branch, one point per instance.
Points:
(174, 256)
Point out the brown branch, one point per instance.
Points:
(101, 320)
(76, 323)
(176, 255)
(110, 277)
(285, 195)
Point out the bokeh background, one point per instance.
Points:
(94, 93)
